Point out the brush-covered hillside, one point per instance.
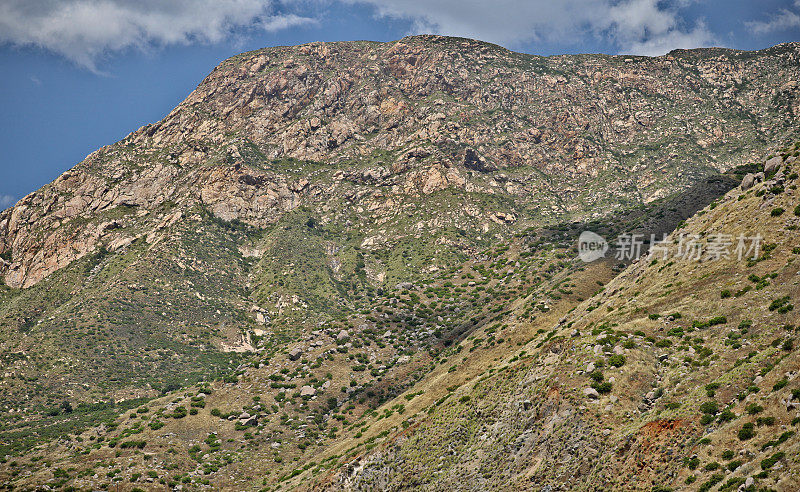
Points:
(355, 266)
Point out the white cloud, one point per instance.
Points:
(643, 27)
(86, 30)
(699, 36)
(785, 19)
(6, 201)
(634, 26)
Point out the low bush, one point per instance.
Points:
(746, 432)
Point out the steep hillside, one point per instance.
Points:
(681, 373)
(675, 373)
(353, 265)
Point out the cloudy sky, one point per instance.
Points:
(79, 74)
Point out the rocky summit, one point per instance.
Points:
(356, 266)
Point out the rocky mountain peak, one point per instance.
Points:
(275, 128)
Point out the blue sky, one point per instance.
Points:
(79, 74)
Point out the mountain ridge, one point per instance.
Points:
(440, 136)
(333, 260)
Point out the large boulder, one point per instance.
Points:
(295, 353)
(773, 164)
(748, 181)
(591, 393)
(248, 420)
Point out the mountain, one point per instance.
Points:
(354, 265)
(368, 125)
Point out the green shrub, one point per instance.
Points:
(781, 303)
(133, 444)
(707, 485)
(746, 432)
(776, 442)
(754, 409)
(676, 332)
(710, 408)
(726, 415)
(768, 463)
(602, 388)
(777, 212)
(761, 421)
(616, 360)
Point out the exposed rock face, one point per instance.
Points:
(748, 181)
(372, 124)
(772, 165)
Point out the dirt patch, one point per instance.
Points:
(658, 428)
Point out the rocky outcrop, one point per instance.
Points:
(750, 180)
(366, 126)
(773, 164)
